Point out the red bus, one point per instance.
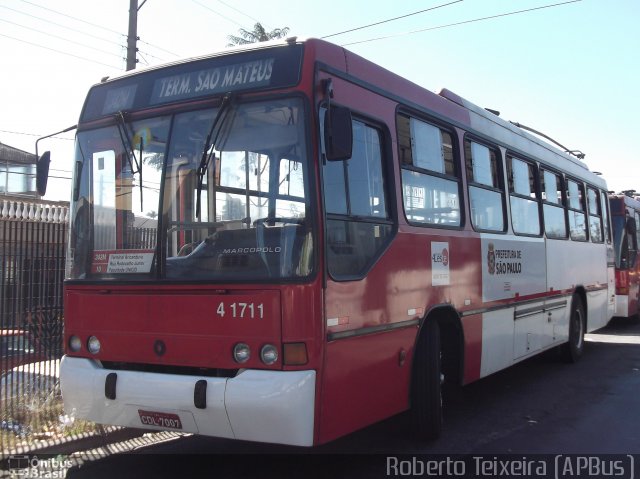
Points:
(625, 217)
(286, 242)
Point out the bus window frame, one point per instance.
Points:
(387, 170)
(598, 214)
(458, 169)
(500, 173)
(583, 200)
(180, 107)
(562, 204)
(631, 239)
(607, 216)
(509, 157)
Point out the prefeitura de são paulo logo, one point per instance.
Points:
(491, 259)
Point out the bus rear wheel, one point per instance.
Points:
(426, 384)
(573, 349)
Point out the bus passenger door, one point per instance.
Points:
(362, 380)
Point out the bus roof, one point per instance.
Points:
(445, 105)
(472, 118)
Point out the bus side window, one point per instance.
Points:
(486, 194)
(595, 216)
(555, 222)
(632, 242)
(604, 204)
(523, 198)
(430, 185)
(576, 210)
(358, 223)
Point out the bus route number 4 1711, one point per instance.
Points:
(241, 310)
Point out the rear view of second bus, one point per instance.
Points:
(625, 215)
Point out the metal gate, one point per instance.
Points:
(33, 239)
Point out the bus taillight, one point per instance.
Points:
(622, 282)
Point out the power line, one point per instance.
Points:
(97, 26)
(60, 38)
(59, 51)
(73, 18)
(60, 25)
(151, 55)
(217, 13)
(392, 19)
(239, 11)
(158, 48)
(34, 134)
(146, 62)
(461, 23)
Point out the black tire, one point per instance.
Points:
(572, 350)
(426, 384)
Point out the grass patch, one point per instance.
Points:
(27, 423)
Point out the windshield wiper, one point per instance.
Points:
(130, 151)
(209, 147)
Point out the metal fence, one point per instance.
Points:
(33, 239)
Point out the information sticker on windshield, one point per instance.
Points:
(122, 261)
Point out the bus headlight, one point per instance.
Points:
(93, 345)
(269, 354)
(75, 344)
(241, 353)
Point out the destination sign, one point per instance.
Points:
(265, 68)
(213, 80)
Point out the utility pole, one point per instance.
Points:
(132, 36)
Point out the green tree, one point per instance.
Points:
(258, 34)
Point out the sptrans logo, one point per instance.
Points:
(440, 275)
(442, 257)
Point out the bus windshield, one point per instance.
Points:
(212, 194)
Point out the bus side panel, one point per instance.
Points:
(497, 340)
(473, 347)
(634, 291)
(303, 301)
(364, 380)
(567, 261)
(353, 365)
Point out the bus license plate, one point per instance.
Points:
(160, 419)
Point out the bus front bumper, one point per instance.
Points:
(256, 405)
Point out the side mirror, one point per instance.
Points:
(338, 133)
(42, 173)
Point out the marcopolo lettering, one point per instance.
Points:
(252, 250)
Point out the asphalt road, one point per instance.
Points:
(541, 406)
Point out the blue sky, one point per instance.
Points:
(569, 70)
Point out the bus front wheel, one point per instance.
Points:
(426, 384)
